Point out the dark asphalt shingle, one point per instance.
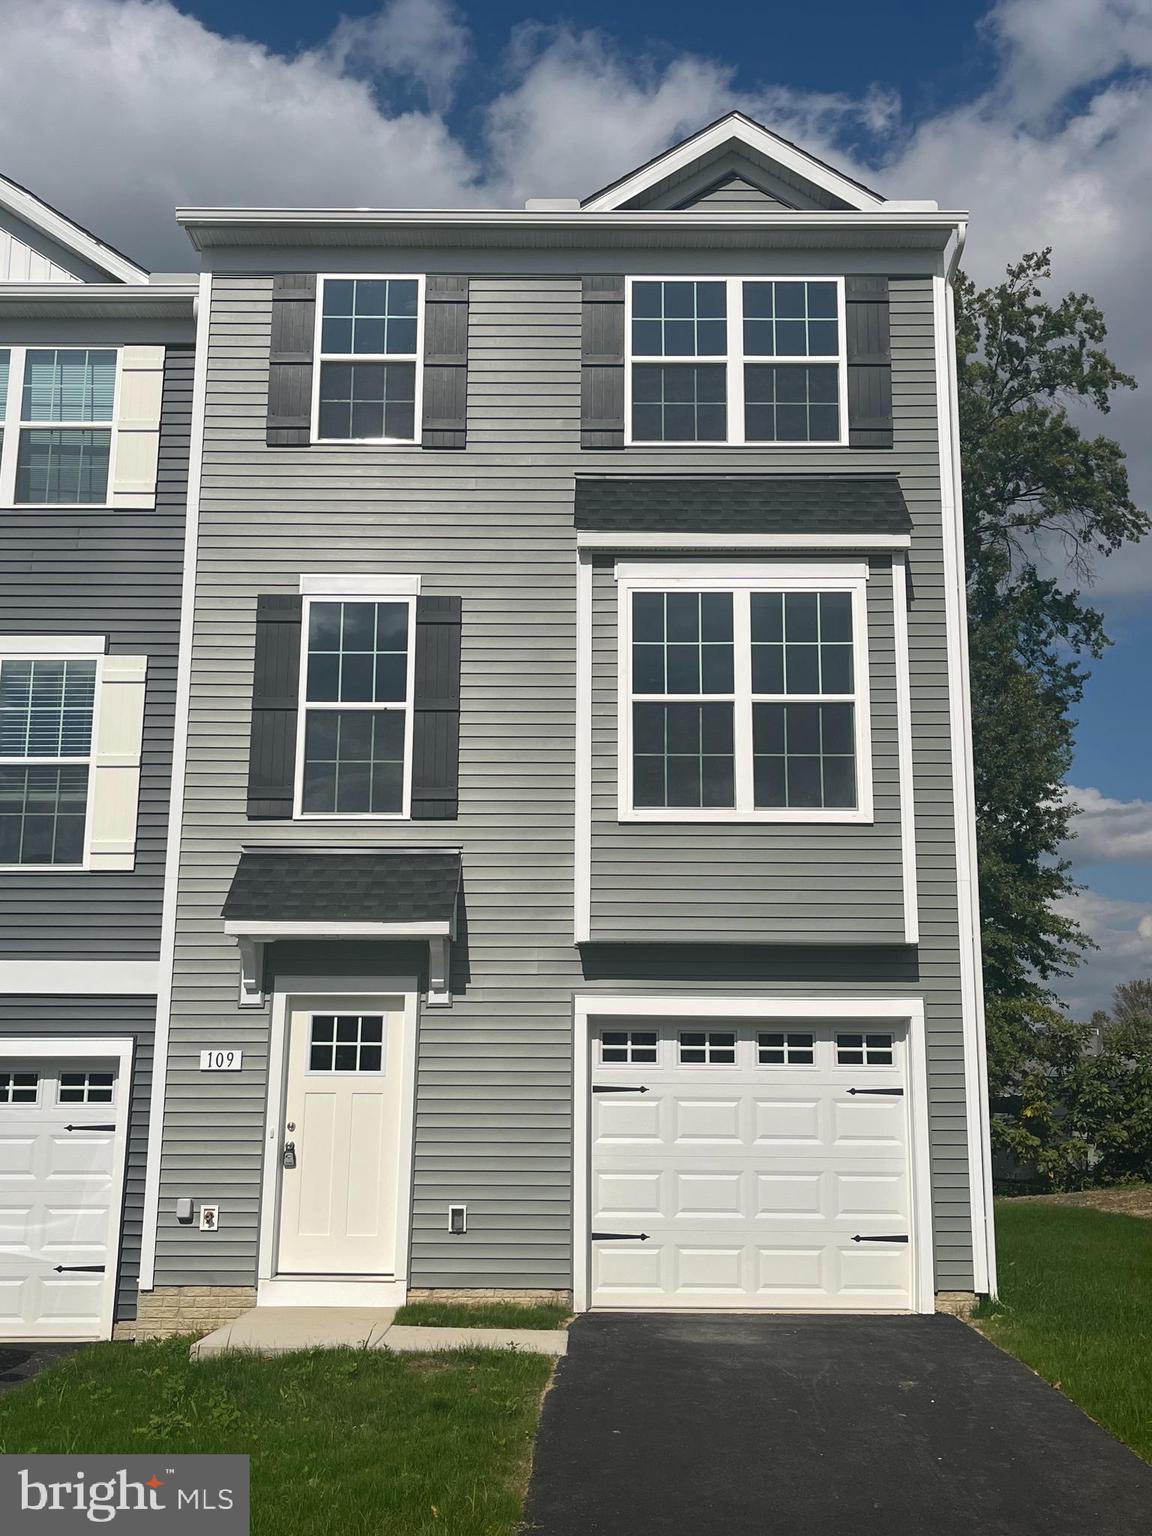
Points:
(744, 504)
(398, 886)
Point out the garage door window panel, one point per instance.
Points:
(864, 1050)
(19, 1088)
(712, 1048)
(628, 1047)
(785, 1050)
(86, 1088)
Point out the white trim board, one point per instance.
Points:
(59, 228)
(342, 1290)
(960, 734)
(57, 645)
(176, 794)
(355, 584)
(259, 929)
(582, 870)
(907, 1010)
(904, 751)
(594, 538)
(121, 1050)
(78, 978)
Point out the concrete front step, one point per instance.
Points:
(280, 1330)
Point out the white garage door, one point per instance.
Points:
(61, 1177)
(750, 1166)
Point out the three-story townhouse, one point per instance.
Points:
(95, 414)
(575, 860)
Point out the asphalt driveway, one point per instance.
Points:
(803, 1426)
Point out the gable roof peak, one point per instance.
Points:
(64, 233)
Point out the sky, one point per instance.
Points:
(1036, 115)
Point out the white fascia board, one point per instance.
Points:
(61, 229)
(628, 1005)
(238, 928)
(78, 978)
(593, 538)
(731, 574)
(735, 131)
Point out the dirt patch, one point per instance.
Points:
(1131, 1200)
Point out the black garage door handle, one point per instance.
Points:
(89, 1127)
(83, 1269)
(621, 1088)
(639, 1237)
(889, 1239)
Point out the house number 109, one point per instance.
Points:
(221, 1061)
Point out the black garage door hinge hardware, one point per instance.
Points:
(892, 1093)
(888, 1239)
(85, 1269)
(618, 1088)
(89, 1127)
(639, 1237)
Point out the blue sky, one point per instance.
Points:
(1033, 114)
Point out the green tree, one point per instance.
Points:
(1034, 482)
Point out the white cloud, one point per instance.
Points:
(1109, 831)
(425, 41)
(1123, 932)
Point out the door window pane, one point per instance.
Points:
(346, 1042)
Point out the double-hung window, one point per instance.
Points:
(367, 373)
(57, 409)
(47, 706)
(736, 360)
(744, 695)
(354, 754)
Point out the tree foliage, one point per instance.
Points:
(1036, 485)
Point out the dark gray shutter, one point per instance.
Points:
(275, 705)
(436, 722)
(445, 423)
(290, 360)
(602, 359)
(869, 349)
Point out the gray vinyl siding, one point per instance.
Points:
(746, 882)
(733, 194)
(493, 524)
(92, 1018)
(112, 572)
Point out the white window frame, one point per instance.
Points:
(334, 1013)
(734, 360)
(319, 358)
(745, 579)
(377, 595)
(50, 650)
(13, 427)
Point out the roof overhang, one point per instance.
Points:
(97, 301)
(73, 237)
(880, 229)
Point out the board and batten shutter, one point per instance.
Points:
(290, 360)
(445, 407)
(602, 362)
(275, 707)
(436, 710)
(869, 352)
(138, 427)
(114, 792)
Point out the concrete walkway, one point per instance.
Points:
(807, 1426)
(280, 1330)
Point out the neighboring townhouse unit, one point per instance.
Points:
(575, 863)
(96, 364)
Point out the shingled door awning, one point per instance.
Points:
(797, 511)
(342, 894)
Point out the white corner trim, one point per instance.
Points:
(78, 978)
(61, 646)
(592, 538)
(353, 584)
(176, 793)
(906, 1010)
(904, 751)
(736, 573)
(582, 871)
(960, 730)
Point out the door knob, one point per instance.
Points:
(288, 1156)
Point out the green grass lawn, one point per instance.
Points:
(1076, 1305)
(343, 1442)
(495, 1314)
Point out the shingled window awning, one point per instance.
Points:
(848, 510)
(346, 894)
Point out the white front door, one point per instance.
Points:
(750, 1166)
(340, 1146)
(62, 1133)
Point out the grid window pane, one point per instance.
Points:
(791, 403)
(785, 1050)
(683, 755)
(864, 1050)
(710, 1047)
(802, 642)
(354, 762)
(679, 403)
(628, 1046)
(42, 814)
(373, 315)
(367, 401)
(682, 642)
(358, 1043)
(680, 319)
(357, 653)
(69, 385)
(790, 319)
(19, 1087)
(62, 468)
(46, 708)
(795, 761)
(86, 1088)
